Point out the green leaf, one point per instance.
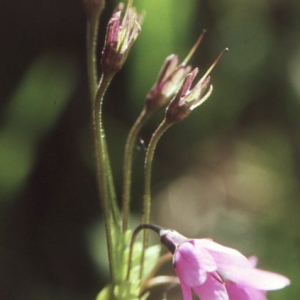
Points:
(123, 291)
(105, 294)
(151, 257)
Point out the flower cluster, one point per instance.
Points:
(170, 79)
(215, 272)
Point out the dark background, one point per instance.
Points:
(230, 171)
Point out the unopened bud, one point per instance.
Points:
(120, 35)
(188, 98)
(169, 79)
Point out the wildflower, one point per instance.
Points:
(215, 272)
(120, 36)
(188, 98)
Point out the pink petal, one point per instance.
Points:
(264, 280)
(253, 261)
(231, 264)
(186, 85)
(186, 290)
(211, 289)
(191, 264)
(237, 292)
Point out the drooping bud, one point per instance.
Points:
(120, 35)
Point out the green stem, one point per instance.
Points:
(147, 187)
(91, 44)
(102, 169)
(127, 168)
(112, 193)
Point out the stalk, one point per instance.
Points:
(102, 168)
(127, 168)
(147, 187)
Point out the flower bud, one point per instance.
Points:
(188, 98)
(120, 36)
(169, 78)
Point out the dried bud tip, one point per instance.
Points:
(215, 63)
(194, 48)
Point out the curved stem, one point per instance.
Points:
(147, 187)
(92, 31)
(127, 168)
(153, 227)
(102, 172)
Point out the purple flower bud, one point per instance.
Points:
(168, 81)
(120, 36)
(178, 108)
(188, 98)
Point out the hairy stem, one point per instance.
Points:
(102, 168)
(91, 44)
(127, 168)
(147, 185)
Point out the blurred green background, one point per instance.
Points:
(230, 171)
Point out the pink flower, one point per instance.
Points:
(215, 272)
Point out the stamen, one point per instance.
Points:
(192, 51)
(217, 278)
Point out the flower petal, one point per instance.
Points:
(191, 264)
(264, 280)
(212, 289)
(186, 290)
(231, 264)
(236, 292)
